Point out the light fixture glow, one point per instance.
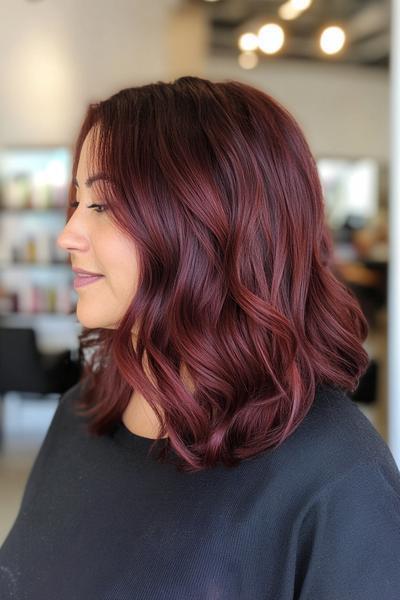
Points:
(300, 4)
(332, 39)
(248, 60)
(248, 42)
(270, 38)
(288, 12)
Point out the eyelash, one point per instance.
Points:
(75, 204)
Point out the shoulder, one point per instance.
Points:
(334, 440)
(352, 526)
(56, 438)
(65, 416)
(71, 397)
(336, 423)
(66, 404)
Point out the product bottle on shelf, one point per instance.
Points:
(52, 300)
(30, 249)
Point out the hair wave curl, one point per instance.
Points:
(218, 188)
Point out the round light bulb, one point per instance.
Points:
(248, 42)
(332, 39)
(248, 60)
(288, 12)
(270, 38)
(300, 4)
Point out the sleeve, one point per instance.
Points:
(349, 546)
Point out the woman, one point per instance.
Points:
(210, 450)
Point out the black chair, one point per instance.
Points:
(26, 370)
(367, 390)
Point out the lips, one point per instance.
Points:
(82, 273)
(82, 280)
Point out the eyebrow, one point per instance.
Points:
(90, 180)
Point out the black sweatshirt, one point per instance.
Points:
(317, 518)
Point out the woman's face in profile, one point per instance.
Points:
(97, 245)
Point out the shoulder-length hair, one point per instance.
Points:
(217, 186)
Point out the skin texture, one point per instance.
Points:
(97, 245)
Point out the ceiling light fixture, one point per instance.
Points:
(248, 60)
(288, 12)
(300, 4)
(270, 38)
(293, 9)
(248, 41)
(332, 39)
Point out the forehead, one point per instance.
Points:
(87, 152)
(87, 171)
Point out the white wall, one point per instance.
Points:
(343, 110)
(58, 55)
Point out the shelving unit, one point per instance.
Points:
(35, 276)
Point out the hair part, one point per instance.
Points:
(218, 188)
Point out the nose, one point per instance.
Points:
(70, 239)
(62, 240)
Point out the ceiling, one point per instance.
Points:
(366, 23)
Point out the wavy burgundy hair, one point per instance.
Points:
(217, 186)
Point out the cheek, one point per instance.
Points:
(122, 270)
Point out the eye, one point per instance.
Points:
(95, 206)
(98, 206)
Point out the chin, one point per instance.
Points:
(89, 317)
(91, 321)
